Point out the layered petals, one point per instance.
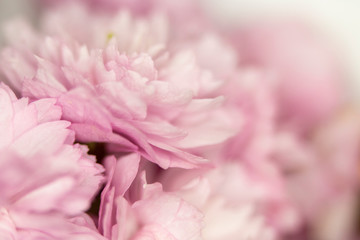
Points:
(43, 175)
(136, 97)
(152, 214)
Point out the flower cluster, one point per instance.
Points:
(125, 120)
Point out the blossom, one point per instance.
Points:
(205, 136)
(307, 138)
(326, 166)
(154, 100)
(238, 201)
(144, 211)
(303, 65)
(45, 179)
(249, 96)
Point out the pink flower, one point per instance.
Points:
(238, 201)
(150, 84)
(250, 97)
(313, 147)
(138, 97)
(44, 178)
(144, 211)
(306, 75)
(326, 165)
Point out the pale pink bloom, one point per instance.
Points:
(224, 66)
(238, 201)
(306, 78)
(326, 165)
(248, 98)
(306, 74)
(145, 211)
(249, 93)
(151, 33)
(43, 175)
(252, 110)
(159, 101)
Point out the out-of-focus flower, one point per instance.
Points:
(146, 212)
(250, 96)
(238, 201)
(248, 99)
(306, 75)
(45, 180)
(313, 147)
(326, 166)
(131, 92)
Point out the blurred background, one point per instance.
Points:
(337, 20)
